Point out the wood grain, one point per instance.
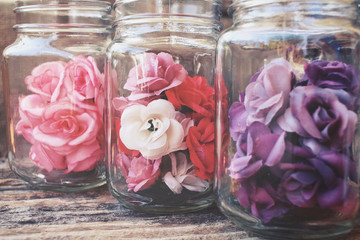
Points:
(27, 213)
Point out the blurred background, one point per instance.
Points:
(7, 21)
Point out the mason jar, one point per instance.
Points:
(160, 104)
(287, 120)
(54, 93)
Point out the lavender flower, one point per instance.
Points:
(268, 91)
(238, 116)
(256, 148)
(317, 113)
(262, 200)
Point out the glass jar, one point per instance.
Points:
(160, 104)
(53, 88)
(287, 118)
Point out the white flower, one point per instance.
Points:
(152, 129)
(182, 175)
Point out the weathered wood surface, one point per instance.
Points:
(27, 213)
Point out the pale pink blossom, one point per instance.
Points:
(154, 74)
(152, 129)
(185, 122)
(31, 109)
(268, 92)
(142, 173)
(83, 83)
(64, 128)
(45, 78)
(120, 103)
(84, 158)
(182, 175)
(45, 158)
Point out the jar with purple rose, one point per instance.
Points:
(287, 118)
(54, 93)
(160, 105)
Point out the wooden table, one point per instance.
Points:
(27, 213)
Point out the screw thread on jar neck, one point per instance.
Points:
(293, 13)
(136, 17)
(63, 15)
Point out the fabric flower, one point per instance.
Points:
(195, 94)
(200, 141)
(31, 109)
(45, 78)
(238, 118)
(262, 200)
(64, 128)
(142, 173)
(317, 113)
(45, 158)
(267, 94)
(322, 181)
(182, 175)
(152, 129)
(334, 75)
(82, 82)
(85, 157)
(123, 162)
(256, 148)
(155, 74)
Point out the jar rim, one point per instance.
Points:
(36, 5)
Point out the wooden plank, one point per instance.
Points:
(27, 213)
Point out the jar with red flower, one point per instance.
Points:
(54, 93)
(160, 104)
(287, 118)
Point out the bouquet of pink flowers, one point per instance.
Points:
(63, 116)
(165, 132)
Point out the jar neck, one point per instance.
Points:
(299, 14)
(63, 16)
(137, 18)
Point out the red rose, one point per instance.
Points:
(195, 94)
(200, 141)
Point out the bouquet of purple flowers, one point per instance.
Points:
(295, 140)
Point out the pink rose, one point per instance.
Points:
(31, 108)
(123, 162)
(83, 82)
(268, 92)
(66, 130)
(85, 158)
(142, 173)
(120, 103)
(45, 158)
(155, 74)
(45, 78)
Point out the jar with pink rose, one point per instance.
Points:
(288, 91)
(160, 104)
(54, 92)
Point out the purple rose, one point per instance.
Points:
(334, 75)
(317, 113)
(238, 117)
(337, 76)
(256, 148)
(320, 181)
(267, 94)
(262, 200)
